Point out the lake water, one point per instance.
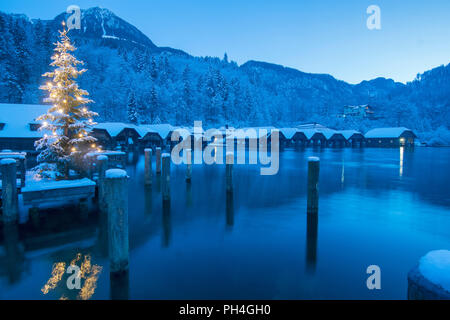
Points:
(385, 207)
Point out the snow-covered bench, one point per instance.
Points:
(44, 191)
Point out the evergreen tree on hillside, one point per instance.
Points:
(153, 69)
(153, 103)
(21, 60)
(132, 115)
(187, 91)
(68, 121)
(10, 91)
(225, 58)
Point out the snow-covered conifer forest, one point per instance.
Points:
(131, 79)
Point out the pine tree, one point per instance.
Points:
(9, 86)
(21, 60)
(187, 92)
(225, 58)
(67, 121)
(132, 109)
(153, 69)
(153, 103)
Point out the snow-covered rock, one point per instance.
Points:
(115, 174)
(430, 279)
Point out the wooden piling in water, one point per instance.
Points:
(313, 185)
(229, 171)
(188, 165)
(116, 189)
(9, 190)
(158, 160)
(148, 167)
(102, 163)
(165, 181)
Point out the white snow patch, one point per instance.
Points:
(115, 174)
(313, 159)
(102, 157)
(7, 161)
(435, 266)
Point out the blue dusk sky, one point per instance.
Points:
(320, 36)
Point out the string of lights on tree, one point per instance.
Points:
(68, 121)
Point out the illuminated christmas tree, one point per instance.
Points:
(67, 122)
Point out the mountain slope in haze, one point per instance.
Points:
(167, 84)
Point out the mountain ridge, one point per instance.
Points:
(170, 85)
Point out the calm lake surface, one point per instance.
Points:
(385, 207)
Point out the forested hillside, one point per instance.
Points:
(132, 79)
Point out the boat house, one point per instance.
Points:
(334, 138)
(353, 138)
(314, 137)
(156, 135)
(390, 137)
(287, 136)
(111, 134)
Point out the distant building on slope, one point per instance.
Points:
(358, 112)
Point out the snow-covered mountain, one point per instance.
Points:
(174, 86)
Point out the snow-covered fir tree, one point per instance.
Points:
(132, 115)
(67, 122)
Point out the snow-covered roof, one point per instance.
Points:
(163, 129)
(309, 133)
(114, 128)
(328, 133)
(386, 132)
(17, 119)
(348, 133)
(288, 132)
(143, 130)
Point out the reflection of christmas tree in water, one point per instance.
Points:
(81, 277)
(68, 120)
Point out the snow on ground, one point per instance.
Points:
(435, 267)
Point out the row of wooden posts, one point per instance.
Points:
(113, 195)
(113, 201)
